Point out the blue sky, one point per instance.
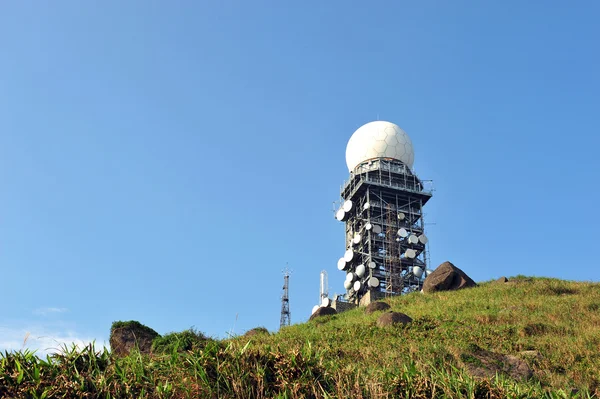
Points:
(162, 161)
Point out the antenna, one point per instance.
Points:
(324, 291)
(285, 298)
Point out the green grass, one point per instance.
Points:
(184, 341)
(348, 356)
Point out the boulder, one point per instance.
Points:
(376, 307)
(447, 277)
(393, 318)
(502, 280)
(126, 335)
(483, 363)
(324, 311)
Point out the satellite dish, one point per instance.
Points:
(374, 282)
(413, 239)
(347, 284)
(376, 229)
(360, 270)
(428, 272)
(368, 226)
(347, 206)
(356, 239)
(403, 233)
(372, 265)
(401, 216)
(325, 302)
(410, 253)
(349, 255)
(366, 206)
(350, 276)
(341, 264)
(340, 215)
(315, 309)
(417, 271)
(423, 239)
(357, 285)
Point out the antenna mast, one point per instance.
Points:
(324, 287)
(285, 299)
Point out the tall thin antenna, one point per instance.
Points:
(324, 287)
(285, 299)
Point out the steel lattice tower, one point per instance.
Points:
(285, 300)
(382, 207)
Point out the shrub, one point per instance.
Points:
(187, 340)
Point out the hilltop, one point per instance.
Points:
(460, 344)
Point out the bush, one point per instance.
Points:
(187, 340)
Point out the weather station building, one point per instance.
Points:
(382, 208)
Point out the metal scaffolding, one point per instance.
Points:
(382, 205)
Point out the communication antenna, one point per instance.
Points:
(324, 291)
(285, 298)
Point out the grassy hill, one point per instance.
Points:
(552, 326)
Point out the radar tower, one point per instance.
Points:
(382, 208)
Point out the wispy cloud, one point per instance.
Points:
(44, 340)
(49, 311)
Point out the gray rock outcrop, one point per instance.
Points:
(323, 311)
(447, 277)
(393, 318)
(124, 336)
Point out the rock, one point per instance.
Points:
(447, 277)
(325, 311)
(392, 318)
(126, 335)
(376, 307)
(502, 280)
(256, 331)
(483, 363)
(531, 354)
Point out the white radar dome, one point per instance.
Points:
(379, 139)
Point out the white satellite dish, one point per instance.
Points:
(428, 272)
(403, 233)
(341, 263)
(360, 270)
(340, 215)
(413, 239)
(423, 239)
(347, 284)
(401, 216)
(366, 206)
(325, 302)
(315, 309)
(417, 271)
(349, 255)
(372, 265)
(347, 206)
(376, 229)
(357, 285)
(350, 276)
(374, 282)
(410, 253)
(368, 226)
(356, 239)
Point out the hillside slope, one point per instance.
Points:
(457, 346)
